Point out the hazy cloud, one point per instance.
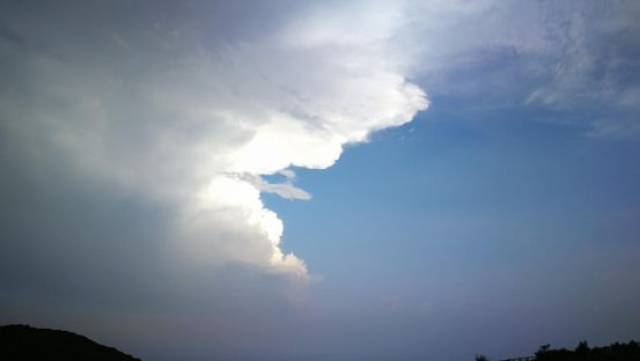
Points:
(574, 58)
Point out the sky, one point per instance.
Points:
(333, 180)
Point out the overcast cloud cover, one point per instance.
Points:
(135, 137)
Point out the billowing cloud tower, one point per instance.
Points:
(183, 111)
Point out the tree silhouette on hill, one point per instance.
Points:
(615, 352)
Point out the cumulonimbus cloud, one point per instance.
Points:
(174, 111)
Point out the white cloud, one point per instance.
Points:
(170, 111)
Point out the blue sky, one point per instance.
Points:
(332, 181)
(479, 219)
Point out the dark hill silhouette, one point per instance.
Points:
(21, 342)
